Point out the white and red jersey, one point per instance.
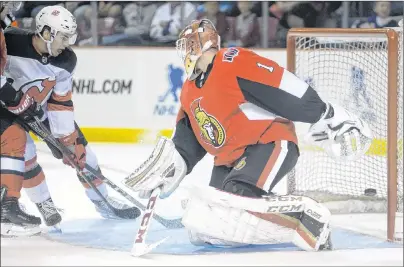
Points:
(47, 79)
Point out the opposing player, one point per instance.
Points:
(13, 218)
(240, 108)
(40, 68)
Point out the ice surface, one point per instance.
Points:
(88, 239)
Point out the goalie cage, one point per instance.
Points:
(362, 70)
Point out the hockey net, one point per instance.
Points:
(362, 70)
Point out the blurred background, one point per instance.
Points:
(240, 23)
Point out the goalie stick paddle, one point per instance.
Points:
(140, 247)
(41, 131)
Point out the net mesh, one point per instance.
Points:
(353, 72)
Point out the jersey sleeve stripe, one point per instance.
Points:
(293, 85)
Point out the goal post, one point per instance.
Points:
(362, 70)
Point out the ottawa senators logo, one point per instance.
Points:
(212, 132)
(39, 89)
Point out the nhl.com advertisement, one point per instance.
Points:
(107, 86)
(145, 88)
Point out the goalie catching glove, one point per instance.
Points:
(164, 168)
(343, 135)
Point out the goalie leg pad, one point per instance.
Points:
(313, 229)
(226, 226)
(311, 225)
(199, 239)
(222, 218)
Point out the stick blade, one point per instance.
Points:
(130, 213)
(140, 249)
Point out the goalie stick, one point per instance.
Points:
(170, 224)
(41, 131)
(140, 247)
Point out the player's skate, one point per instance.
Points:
(15, 221)
(49, 213)
(106, 212)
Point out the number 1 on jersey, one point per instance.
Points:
(270, 69)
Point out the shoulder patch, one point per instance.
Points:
(230, 54)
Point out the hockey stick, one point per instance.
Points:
(170, 224)
(45, 135)
(41, 131)
(140, 247)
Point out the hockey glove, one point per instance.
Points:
(74, 143)
(25, 107)
(342, 134)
